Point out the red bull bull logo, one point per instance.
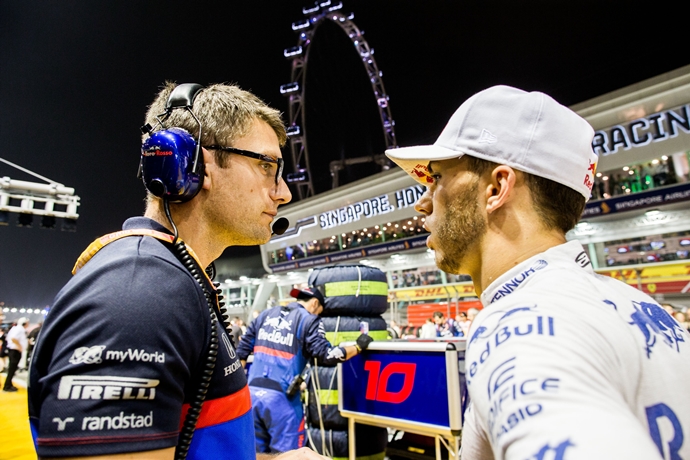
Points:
(656, 325)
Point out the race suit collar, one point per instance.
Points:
(568, 255)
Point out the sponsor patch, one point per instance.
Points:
(117, 422)
(655, 323)
(106, 387)
(94, 355)
(513, 284)
(87, 355)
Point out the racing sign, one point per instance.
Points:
(392, 383)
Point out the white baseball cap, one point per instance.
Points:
(530, 132)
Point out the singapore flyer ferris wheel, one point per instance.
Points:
(315, 15)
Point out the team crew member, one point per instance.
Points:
(125, 349)
(283, 340)
(445, 327)
(17, 342)
(561, 363)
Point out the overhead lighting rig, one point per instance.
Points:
(50, 201)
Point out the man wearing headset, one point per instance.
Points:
(283, 339)
(561, 363)
(133, 342)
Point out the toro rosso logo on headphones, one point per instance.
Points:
(156, 152)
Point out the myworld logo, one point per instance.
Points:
(94, 355)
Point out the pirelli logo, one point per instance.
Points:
(106, 387)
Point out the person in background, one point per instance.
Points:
(17, 343)
(235, 331)
(682, 319)
(428, 330)
(283, 339)
(460, 320)
(243, 327)
(32, 336)
(670, 309)
(471, 314)
(133, 360)
(394, 330)
(561, 363)
(445, 327)
(3, 343)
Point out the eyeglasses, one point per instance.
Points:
(257, 156)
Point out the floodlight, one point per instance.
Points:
(48, 222)
(69, 225)
(25, 220)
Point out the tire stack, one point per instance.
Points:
(354, 294)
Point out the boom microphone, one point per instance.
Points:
(280, 225)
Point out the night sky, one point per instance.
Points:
(76, 78)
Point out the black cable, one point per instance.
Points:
(187, 432)
(166, 206)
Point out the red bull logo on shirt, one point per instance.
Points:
(278, 325)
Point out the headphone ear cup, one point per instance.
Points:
(167, 159)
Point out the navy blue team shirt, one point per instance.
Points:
(117, 360)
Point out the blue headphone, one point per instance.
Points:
(170, 165)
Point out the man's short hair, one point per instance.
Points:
(226, 113)
(438, 314)
(559, 207)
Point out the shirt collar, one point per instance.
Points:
(144, 222)
(568, 255)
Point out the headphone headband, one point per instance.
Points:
(182, 96)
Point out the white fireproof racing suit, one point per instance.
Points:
(566, 364)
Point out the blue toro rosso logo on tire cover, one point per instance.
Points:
(655, 322)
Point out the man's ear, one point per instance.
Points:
(208, 160)
(500, 188)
